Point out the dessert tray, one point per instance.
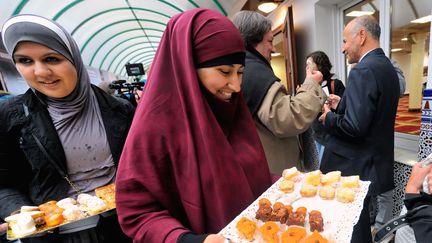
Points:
(65, 216)
(338, 217)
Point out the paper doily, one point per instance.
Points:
(339, 218)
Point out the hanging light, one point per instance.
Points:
(267, 7)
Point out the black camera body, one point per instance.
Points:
(126, 90)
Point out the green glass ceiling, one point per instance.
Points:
(111, 33)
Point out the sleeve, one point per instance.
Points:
(286, 115)
(143, 188)
(420, 220)
(361, 100)
(12, 172)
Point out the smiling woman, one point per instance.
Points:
(45, 70)
(63, 136)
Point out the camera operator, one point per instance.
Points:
(128, 91)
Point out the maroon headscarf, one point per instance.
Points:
(186, 167)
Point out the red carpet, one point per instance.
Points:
(407, 121)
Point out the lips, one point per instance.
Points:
(225, 95)
(49, 83)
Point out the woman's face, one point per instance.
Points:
(45, 70)
(222, 80)
(265, 47)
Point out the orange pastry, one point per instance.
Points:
(316, 237)
(293, 234)
(301, 210)
(45, 206)
(264, 201)
(52, 220)
(269, 232)
(247, 228)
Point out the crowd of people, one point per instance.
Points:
(183, 177)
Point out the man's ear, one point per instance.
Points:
(363, 36)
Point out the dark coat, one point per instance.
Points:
(362, 128)
(26, 175)
(420, 220)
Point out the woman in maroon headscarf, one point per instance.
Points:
(192, 160)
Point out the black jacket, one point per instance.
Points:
(420, 220)
(362, 128)
(26, 175)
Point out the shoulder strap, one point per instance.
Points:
(391, 226)
(50, 159)
(332, 84)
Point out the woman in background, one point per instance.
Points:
(64, 135)
(192, 160)
(319, 61)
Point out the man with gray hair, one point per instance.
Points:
(362, 127)
(279, 117)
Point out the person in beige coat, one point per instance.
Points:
(279, 116)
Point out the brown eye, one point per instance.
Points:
(23, 60)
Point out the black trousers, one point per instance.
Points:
(362, 230)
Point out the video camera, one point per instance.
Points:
(126, 90)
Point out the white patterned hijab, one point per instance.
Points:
(76, 117)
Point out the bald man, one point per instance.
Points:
(362, 127)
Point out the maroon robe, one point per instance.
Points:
(190, 162)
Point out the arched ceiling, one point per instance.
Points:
(111, 33)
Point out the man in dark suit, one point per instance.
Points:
(362, 126)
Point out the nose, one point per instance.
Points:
(41, 69)
(235, 83)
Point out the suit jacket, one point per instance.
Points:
(362, 128)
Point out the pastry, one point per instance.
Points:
(350, 181)
(73, 213)
(24, 225)
(269, 231)
(286, 186)
(264, 201)
(293, 234)
(331, 177)
(296, 218)
(316, 221)
(91, 204)
(316, 237)
(247, 228)
(107, 193)
(327, 192)
(53, 219)
(308, 190)
(264, 212)
(66, 203)
(345, 195)
(313, 178)
(279, 213)
(301, 210)
(290, 173)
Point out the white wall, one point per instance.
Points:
(315, 28)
